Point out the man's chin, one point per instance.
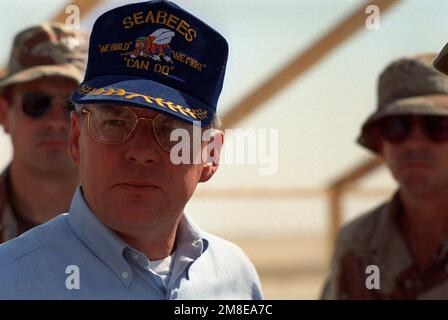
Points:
(415, 174)
(54, 163)
(418, 185)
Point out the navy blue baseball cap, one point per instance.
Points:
(155, 55)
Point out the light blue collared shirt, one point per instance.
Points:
(75, 256)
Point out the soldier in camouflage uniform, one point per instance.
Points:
(404, 240)
(47, 62)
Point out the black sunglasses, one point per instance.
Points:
(397, 129)
(37, 104)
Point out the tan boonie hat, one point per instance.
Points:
(407, 86)
(51, 49)
(441, 62)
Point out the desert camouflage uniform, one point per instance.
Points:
(375, 238)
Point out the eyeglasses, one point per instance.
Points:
(37, 104)
(397, 129)
(114, 125)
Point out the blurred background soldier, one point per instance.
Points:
(47, 62)
(405, 239)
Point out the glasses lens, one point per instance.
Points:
(109, 124)
(171, 132)
(35, 104)
(436, 128)
(395, 129)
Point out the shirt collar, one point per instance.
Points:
(190, 238)
(3, 202)
(387, 228)
(388, 233)
(191, 243)
(8, 222)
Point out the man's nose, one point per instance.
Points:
(57, 117)
(417, 136)
(142, 146)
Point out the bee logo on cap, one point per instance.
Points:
(155, 46)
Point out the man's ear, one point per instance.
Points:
(378, 140)
(75, 132)
(4, 108)
(211, 154)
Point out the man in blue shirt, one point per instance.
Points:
(151, 87)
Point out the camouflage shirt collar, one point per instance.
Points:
(388, 238)
(4, 181)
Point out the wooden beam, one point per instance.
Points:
(336, 193)
(357, 172)
(335, 208)
(301, 63)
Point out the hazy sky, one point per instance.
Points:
(318, 116)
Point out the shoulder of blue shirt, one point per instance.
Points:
(33, 240)
(58, 230)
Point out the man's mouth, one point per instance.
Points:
(137, 186)
(53, 143)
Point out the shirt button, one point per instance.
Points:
(125, 274)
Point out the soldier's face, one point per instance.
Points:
(418, 163)
(40, 140)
